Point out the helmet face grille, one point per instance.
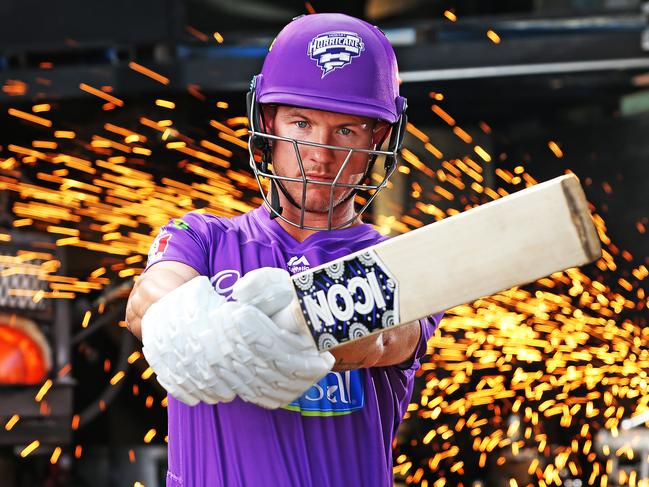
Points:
(364, 191)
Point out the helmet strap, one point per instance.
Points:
(274, 201)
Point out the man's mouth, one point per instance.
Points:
(320, 177)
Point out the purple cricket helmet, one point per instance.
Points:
(330, 62)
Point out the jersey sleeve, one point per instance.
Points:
(397, 381)
(428, 326)
(185, 240)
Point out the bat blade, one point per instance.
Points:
(508, 242)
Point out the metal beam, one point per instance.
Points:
(523, 70)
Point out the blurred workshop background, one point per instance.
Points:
(116, 116)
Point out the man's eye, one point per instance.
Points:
(345, 131)
(302, 124)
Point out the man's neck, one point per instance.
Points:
(310, 220)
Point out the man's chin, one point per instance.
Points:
(320, 205)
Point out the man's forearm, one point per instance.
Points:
(148, 289)
(364, 352)
(390, 347)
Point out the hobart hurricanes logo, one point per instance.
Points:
(334, 50)
(224, 280)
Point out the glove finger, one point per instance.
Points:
(177, 392)
(285, 396)
(263, 402)
(268, 289)
(271, 378)
(211, 382)
(328, 358)
(304, 367)
(273, 393)
(215, 346)
(161, 373)
(255, 327)
(212, 385)
(234, 382)
(281, 345)
(210, 396)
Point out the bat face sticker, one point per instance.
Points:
(348, 299)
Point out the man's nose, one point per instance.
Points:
(322, 154)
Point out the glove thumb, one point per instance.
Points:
(268, 289)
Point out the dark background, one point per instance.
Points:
(599, 116)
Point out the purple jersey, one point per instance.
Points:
(339, 432)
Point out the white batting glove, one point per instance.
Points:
(290, 360)
(266, 365)
(205, 349)
(174, 346)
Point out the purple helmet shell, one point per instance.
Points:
(332, 62)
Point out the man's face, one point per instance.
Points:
(320, 164)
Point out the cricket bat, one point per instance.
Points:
(508, 242)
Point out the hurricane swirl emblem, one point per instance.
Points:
(304, 282)
(326, 341)
(388, 319)
(367, 259)
(336, 270)
(357, 330)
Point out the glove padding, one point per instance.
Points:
(172, 345)
(205, 349)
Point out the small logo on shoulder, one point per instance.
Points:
(334, 50)
(159, 247)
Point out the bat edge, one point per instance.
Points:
(581, 217)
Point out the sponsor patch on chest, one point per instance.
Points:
(336, 394)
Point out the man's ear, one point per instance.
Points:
(268, 117)
(380, 132)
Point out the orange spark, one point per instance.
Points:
(149, 435)
(43, 390)
(29, 117)
(482, 153)
(443, 115)
(555, 149)
(43, 107)
(450, 15)
(12, 422)
(165, 103)
(30, 448)
(196, 33)
(101, 94)
(493, 37)
(462, 135)
(55, 455)
(148, 72)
